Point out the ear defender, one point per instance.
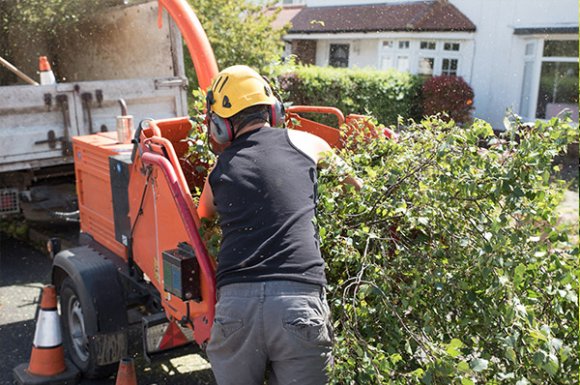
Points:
(277, 114)
(220, 129)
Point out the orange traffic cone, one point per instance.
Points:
(46, 74)
(47, 363)
(126, 374)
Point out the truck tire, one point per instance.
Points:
(76, 319)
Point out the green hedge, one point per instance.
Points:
(384, 94)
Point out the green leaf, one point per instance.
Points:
(463, 367)
(538, 335)
(552, 365)
(467, 381)
(478, 364)
(453, 347)
(510, 354)
(539, 358)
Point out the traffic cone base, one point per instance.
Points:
(70, 376)
(47, 363)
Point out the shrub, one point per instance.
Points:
(449, 266)
(384, 94)
(450, 95)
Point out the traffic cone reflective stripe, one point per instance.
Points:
(47, 363)
(47, 334)
(47, 358)
(126, 374)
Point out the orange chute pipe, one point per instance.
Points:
(319, 110)
(170, 151)
(188, 221)
(199, 47)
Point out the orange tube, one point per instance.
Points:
(199, 47)
(320, 110)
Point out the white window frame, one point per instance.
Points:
(537, 58)
(415, 53)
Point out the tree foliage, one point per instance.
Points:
(37, 23)
(450, 266)
(240, 32)
(45, 15)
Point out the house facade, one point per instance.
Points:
(516, 54)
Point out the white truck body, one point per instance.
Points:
(119, 53)
(125, 55)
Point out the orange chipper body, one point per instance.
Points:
(160, 211)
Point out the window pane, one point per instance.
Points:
(388, 44)
(527, 89)
(558, 89)
(403, 63)
(404, 44)
(428, 45)
(449, 67)
(451, 46)
(426, 65)
(565, 48)
(338, 55)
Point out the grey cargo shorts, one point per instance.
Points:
(275, 329)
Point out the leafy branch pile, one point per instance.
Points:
(449, 266)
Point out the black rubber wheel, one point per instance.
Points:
(75, 322)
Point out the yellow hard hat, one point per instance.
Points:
(236, 88)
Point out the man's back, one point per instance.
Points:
(264, 190)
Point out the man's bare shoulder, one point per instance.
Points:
(309, 143)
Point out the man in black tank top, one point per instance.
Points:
(272, 318)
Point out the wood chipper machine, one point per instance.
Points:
(141, 258)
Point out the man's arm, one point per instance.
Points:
(206, 207)
(330, 160)
(324, 156)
